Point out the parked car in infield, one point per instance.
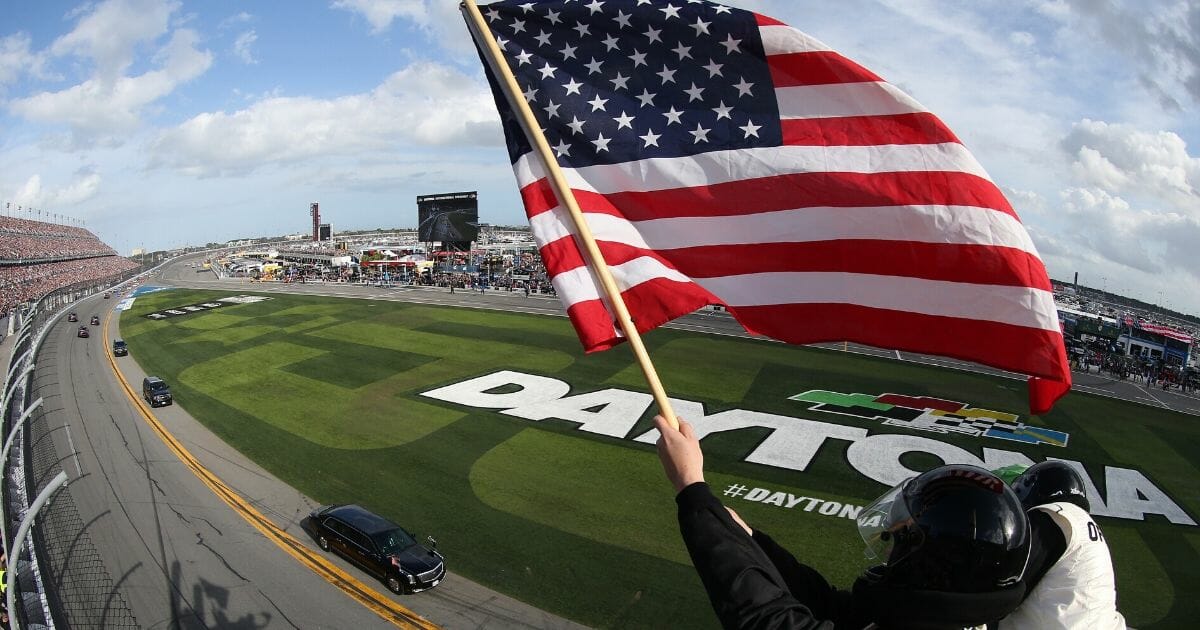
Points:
(156, 392)
(83, 332)
(381, 547)
(119, 348)
(95, 320)
(71, 317)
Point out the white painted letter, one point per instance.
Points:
(793, 500)
(792, 444)
(878, 456)
(474, 393)
(616, 410)
(778, 498)
(757, 494)
(1131, 495)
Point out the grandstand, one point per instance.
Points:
(38, 258)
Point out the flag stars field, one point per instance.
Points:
(696, 95)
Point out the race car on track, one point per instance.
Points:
(95, 320)
(72, 318)
(83, 331)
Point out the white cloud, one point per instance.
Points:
(1123, 159)
(1150, 241)
(380, 13)
(32, 193)
(1093, 203)
(235, 20)
(1179, 235)
(1159, 38)
(100, 108)
(110, 34)
(242, 45)
(440, 19)
(426, 103)
(1025, 202)
(1023, 39)
(16, 59)
(1055, 9)
(1093, 168)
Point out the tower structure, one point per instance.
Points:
(314, 210)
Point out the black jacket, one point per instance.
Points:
(752, 582)
(744, 585)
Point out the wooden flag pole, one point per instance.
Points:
(562, 190)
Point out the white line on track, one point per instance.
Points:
(1144, 391)
(74, 453)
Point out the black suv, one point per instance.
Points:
(155, 391)
(119, 348)
(380, 546)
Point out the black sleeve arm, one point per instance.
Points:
(804, 582)
(1047, 545)
(745, 588)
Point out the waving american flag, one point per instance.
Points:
(722, 157)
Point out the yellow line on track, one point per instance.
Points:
(389, 610)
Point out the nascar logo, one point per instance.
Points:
(931, 414)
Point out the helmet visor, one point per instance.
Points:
(881, 521)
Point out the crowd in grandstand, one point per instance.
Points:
(22, 239)
(34, 248)
(39, 258)
(38, 228)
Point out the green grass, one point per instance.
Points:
(325, 394)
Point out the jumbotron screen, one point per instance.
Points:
(452, 218)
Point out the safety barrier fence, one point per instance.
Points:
(56, 577)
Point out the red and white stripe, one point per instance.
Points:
(872, 223)
(1167, 332)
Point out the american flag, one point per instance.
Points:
(1166, 331)
(723, 157)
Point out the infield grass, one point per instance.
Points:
(325, 394)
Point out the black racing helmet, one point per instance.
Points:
(1049, 482)
(956, 529)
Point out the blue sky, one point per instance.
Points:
(168, 123)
